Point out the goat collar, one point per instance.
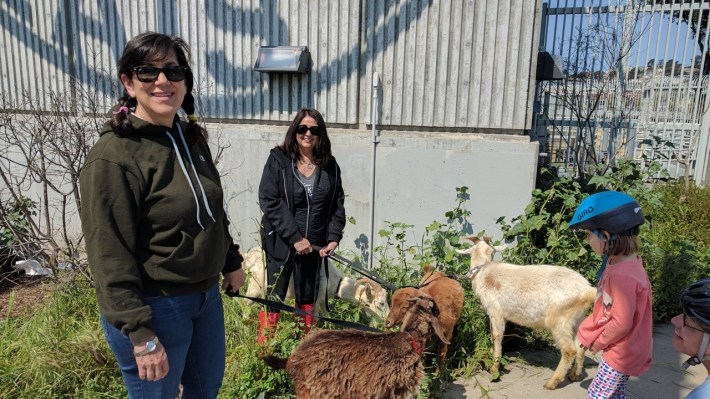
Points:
(472, 273)
(415, 345)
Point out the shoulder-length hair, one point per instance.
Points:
(624, 245)
(321, 152)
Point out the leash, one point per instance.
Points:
(351, 264)
(300, 312)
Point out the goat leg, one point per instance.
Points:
(497, 331)
(576, 372)
(568, 353)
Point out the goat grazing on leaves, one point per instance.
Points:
(355, 364)
(446, 292)
(363, 291)
(537, 296)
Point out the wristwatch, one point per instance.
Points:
(150, 347)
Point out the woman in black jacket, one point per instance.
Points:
(301, 196)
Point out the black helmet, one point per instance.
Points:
(695, 300)
(615, 212)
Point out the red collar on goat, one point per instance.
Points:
(415, 345)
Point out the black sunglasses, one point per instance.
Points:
(149, 74)
(302, 129)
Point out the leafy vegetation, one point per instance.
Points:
(14, 229)
(59, 350)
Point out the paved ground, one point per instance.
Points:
(525, 376)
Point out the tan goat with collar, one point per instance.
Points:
(554, 298)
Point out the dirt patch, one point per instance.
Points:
(29, 291)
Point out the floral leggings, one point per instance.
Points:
(608, 384)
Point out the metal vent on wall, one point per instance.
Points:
(283, 59)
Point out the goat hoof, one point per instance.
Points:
(574, 377)
(550, 385)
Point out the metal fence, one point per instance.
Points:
(635, 86)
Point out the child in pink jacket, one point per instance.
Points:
(621, 323)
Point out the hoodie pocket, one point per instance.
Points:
(179, 265)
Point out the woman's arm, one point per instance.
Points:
(336, 223)
(275, 209)
(111, 205)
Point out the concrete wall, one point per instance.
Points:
(416, 177)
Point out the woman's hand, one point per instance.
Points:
(234, 280)
(328, 249)
(303, 246)
(153, 366)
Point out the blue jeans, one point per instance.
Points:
(191, 329)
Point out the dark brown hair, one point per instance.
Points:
(321, 152)
(623, 245)
(151, 47)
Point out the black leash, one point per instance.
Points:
(358, 269)
(300, 312)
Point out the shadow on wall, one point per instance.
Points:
(72, 60)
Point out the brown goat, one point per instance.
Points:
(448, 295)
(355, 364)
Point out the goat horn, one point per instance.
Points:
(475, 239)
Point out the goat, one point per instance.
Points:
(537, 296)
(446, 292)
(355, 364)
(363, 291)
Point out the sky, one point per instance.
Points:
(656, 35)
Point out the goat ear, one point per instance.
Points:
(426, 268)
(368, 292)
(500, 248)
(464, 251)
(434, 322)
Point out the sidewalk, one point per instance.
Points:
(528, 371)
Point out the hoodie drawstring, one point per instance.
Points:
(187, 176)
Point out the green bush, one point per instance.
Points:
(14, 228)
(59, 351)
(680, 215)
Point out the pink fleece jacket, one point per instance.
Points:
(621, 323)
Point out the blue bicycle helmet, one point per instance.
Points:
(612, 211)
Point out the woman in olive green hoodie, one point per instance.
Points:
(156, 231)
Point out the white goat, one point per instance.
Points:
(363, 291)
(537, 296)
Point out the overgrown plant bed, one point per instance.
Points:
(20, 293)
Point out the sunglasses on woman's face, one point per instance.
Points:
(302, 129)
(149, 74)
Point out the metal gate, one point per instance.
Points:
(635, 85)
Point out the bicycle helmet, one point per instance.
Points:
(612, 211)
(695, 301)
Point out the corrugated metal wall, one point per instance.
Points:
(443, 63)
